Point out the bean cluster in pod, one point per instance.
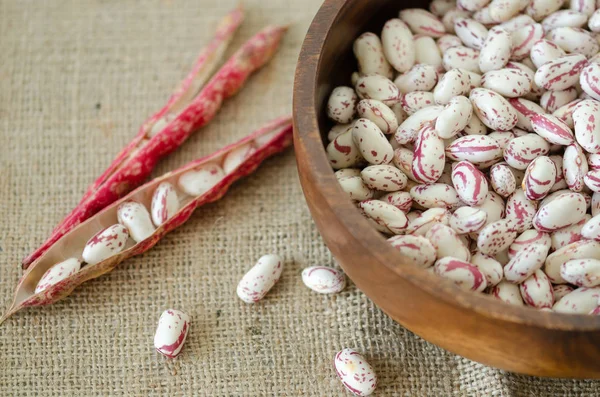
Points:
(470, 137)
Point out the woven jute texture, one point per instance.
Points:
(76, 80)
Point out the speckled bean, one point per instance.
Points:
(414, 101)
(421, 224)
(522, 150)
(539, 178)
(423, 22)
(507, 292)
(496, 237)
(355, 372)
(461, 57)
(429, 159)
(371, 142)
(496, 50)
(172, 330)
(416, 249)
(580, 301)
(465, 275)
(398, 45)
(560, 73)
(341, 105)
(502, 179)
(455, 82)
(574, 40)
(323, 279)
(374, 86)
(260, 279)
(523, 40)
(525, 263)
(520, 210)
(105, 243)
(536, 290)
(385, 178)
(454, 118)
(378, 113)
(467, 220)
(385, 215)
(492, 109)
(565, 210)
(408, 131)
(435, 195)
(527, 238)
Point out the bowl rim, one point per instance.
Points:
(306, 131)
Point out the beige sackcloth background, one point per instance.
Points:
(76, 80)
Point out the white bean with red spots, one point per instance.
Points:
(435, 195)
(341, 153)
(429, 160)
(448, 41)
(165, 203)
(379, 113)
(574, 167)
(371, 142)
(408, 131)
(323, 279)
(355, 372)
(591, 229)
(565, 113)
(428, 53)
(105, 243)
(594, 22)
(374, 86)
(455, 82)
(523, 150)
(136, 218)
(490, 267)
(565, 210)
(470, 32)
(385, 215)
(465, 275)
(355, 187)
(527, 238)
(562, 18)
(420, 225)
(540, 9)
(523, 40)
(586, 118)
(385, 178)
(423, 22)
(536, 291)
(502, 179)
(414, 101)
(171, 332)
(525, 263)
(477, 149)
(468, 220)
(338, 130)
(553, 100)
(260, 279)
(400, 200)
(574, 41)
(526, 110)
(581, 272)
(470, 183)
(510, 83)
(454, 118)
(369, 53)
(520, 210)
(461, 57)
(583, 249)
(496, 50)
(544, 51)
(492, 109)
(561, 290)
(416, 249)
(398, 45)
(57, 273)
(420, 77)
(440, 7)
(590, 80)
(539, 178)
(568, 235)
(449, 18)
(447, 242)
(560, 73)
(341, 105)
(507, 292)
(580, 301)
(552, 129)
(496, 237)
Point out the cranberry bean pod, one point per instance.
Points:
(369, 53)
(165, 130)
(273, 138)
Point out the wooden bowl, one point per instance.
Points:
(475, 326)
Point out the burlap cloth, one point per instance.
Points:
(76, 80)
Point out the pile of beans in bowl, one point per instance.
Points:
(470, 137)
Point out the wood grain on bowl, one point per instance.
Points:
(475, 326)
